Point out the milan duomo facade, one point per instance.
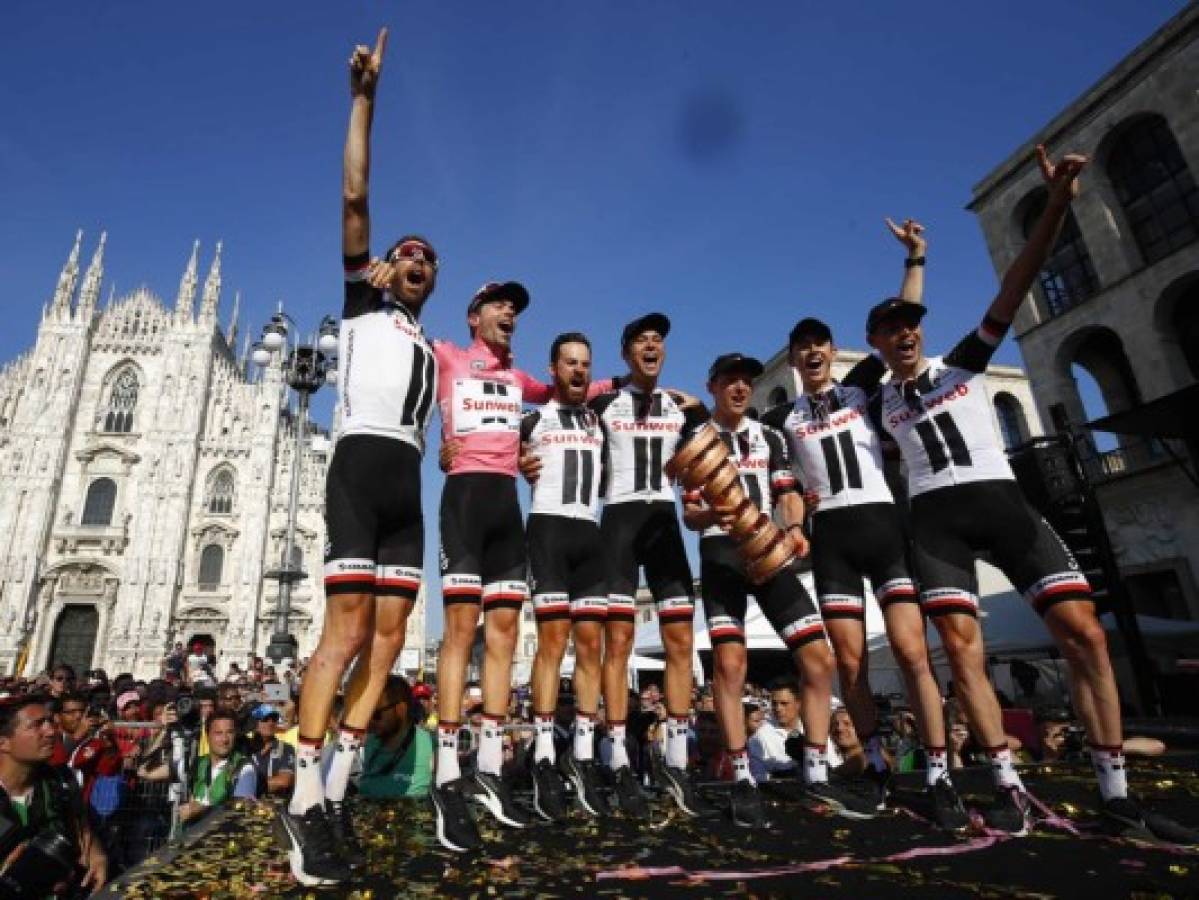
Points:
(144, 481)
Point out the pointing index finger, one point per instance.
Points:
(380, 43)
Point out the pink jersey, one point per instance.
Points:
(482, 398)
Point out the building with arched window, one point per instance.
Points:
(1112, 327)
(144, 490)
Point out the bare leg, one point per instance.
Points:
(588, 643)
(963, 641)
(618, 646)
(1092, 683)
(848, 637)
(500, 628)
(905, 631)
(375, 662)
(551, 647)
(349, 621)
(460, 621)
(728, 686)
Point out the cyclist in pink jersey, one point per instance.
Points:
(479, 393)
(483, 558)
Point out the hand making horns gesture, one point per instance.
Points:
(1063, 175)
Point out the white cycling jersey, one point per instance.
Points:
(569, 442)
(941, 419)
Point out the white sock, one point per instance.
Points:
(308, 791)
(676, 742)
(491, 746)
(544, 747)
(815, 763)
(1109, 769)
(1002, 769)
(584, 736)
(938, 765)
(740, 761)
(349, 740)
(617, 733)
(874, 753)
(447, 753)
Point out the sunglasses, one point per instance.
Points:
(414, 250)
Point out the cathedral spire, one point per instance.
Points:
(89, 294)
(232, 340)
(212, 288)
(65, 291)
(243, 361)
(186, 300)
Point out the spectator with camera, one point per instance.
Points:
(1062, 739)
(223, 773)
(46, 843)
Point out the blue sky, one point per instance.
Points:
(729, 165)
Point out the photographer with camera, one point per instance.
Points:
(46, 844)
(1064, 739)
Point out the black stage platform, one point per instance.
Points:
(805, 852)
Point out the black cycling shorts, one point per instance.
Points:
(725, 589)
(638, 534)
(952, 526)
(853, 542)
(567, 574)
(375, 530)
(482, 541)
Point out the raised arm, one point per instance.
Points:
(911, 235)
(365, 65)
(1062, 180)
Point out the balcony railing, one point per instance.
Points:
(1133, 455)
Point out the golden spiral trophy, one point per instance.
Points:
(703, 464)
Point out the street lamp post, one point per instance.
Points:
(307, 368)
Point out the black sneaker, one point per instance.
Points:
(745, 805)
(494, 795)
(841, 800)
(1009, 812)
(583, 775)
(629, 796)
(948, 811)
(678, 785)
(456, 830)
(1124, 817)
(341, 820)
(548, 796)
(311, 847)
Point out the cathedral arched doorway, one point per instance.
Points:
(74, 640)
(205, 640)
